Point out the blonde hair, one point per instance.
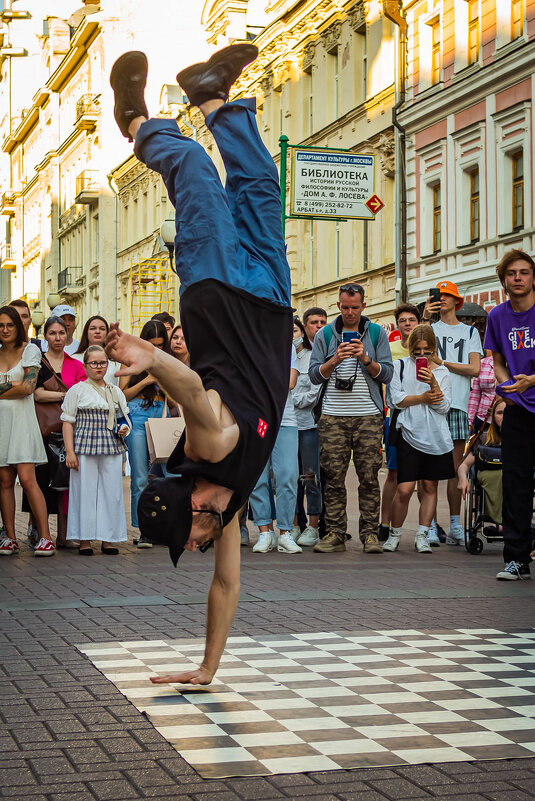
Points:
(422, 332)
(91, 349)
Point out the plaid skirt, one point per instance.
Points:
(458, 423)
(92, 438)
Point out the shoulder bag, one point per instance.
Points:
(163, 434)
(48, 414)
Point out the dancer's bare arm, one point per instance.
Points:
(208, 437)
(222, 603)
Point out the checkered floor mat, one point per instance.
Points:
(323, 701)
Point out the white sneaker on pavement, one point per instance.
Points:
(295, 533)
(455, 535)
(286, 544)
(421, 544)
(264, 543)
(432, 538)
(310, 536)
(392, 543)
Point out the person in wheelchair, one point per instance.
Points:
(485, 457)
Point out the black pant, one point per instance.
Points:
(518, 459)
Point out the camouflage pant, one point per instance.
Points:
(339, 437)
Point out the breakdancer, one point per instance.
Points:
(236, 315)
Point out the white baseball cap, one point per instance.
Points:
(59, 311)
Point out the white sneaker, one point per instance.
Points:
(432, 538)
(295, 533)
(310, 536)
(392, 543)
(421, 544)
(265, 542)
(286, 544)
(455, 535)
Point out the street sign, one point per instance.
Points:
(375, 204)
(331, 184)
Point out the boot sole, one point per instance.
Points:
(228, 55)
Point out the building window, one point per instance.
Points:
(435, 52)
(517, 18)
(364, 61)
(518, 190)
(473, 31)
(437, 219)
(474, 205)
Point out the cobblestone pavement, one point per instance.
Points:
(69, 735)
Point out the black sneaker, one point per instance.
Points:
(441, 534)
(128, 77)
(383, 533)
(514, 571)
(212, 79)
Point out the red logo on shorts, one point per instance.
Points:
(262, 428)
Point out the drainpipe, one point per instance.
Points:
(115, 189)
(393, 11)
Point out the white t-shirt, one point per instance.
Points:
(288, 416)
(455, 343)
(423, 426)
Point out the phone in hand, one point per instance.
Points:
(435, 294)
(421, 362)
(350, 336)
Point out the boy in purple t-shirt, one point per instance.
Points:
(511, 338)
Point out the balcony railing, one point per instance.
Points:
(87, 187)
(87, 111)
(70, 278)
(7, 257)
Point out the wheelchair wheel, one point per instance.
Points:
(475, 545)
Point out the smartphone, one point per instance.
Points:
(350, 336)
(435, 294)
(421, 362)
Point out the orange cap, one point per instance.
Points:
(449, 288)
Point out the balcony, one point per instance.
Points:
(71, 281)
(87, 112)
(7, 257)
(87, 188)
(7, 203)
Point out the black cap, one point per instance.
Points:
(164, 513)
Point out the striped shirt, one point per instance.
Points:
(340, 402)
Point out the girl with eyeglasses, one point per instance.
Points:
(422, 394)
(95, 423)
(95, 333)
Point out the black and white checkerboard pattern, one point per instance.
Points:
(323, 701)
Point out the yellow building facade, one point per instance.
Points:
(86, 215)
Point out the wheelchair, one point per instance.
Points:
(475, 518)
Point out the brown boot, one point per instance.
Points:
(331, 543)
(372, 544)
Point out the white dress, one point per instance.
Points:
(20, 438)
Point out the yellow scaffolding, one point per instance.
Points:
(149, 290)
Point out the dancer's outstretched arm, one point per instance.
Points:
(207, 436)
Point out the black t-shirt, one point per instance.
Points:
(240, 345)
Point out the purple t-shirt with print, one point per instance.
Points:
(513, 335)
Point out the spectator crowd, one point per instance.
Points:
(428, 399)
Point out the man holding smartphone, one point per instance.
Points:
(351, 359)
(459, 349)
(510, 336)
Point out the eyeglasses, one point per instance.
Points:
(352, 289)
(97, 365)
